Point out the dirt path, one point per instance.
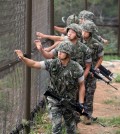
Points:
(106, 104)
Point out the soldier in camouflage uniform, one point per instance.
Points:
(81, 53)
(71, 19)
(96, 48)
(87, 15)
(66, 77)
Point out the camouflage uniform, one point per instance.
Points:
(80, 52)
(87, 15)
(97, 51)
(63, 82)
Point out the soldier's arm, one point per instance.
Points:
(48, 49)
(99, 62)
(81, 91)
(88, 62)
(29, 62)
(51, 37)
(87, 69)
(46, 54)
(60, 29)
(100, 39)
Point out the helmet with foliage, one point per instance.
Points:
(72, 19)
(66, 47)
(89, 26)
(80, 16)
(89, 16)
(75, 27)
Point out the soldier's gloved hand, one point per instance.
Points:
(83, 107)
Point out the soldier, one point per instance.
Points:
(81, 53)
(87, 15)
(66, 77)
(71, 19)
(88, 29)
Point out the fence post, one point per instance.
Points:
(51, 2)
(28, 30)
(119, 28)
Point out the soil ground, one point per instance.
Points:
(105, 93)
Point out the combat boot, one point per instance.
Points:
(87, 121)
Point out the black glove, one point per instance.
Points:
(83, 107)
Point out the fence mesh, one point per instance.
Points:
(12, 82)
(12, 36)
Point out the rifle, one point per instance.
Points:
(105, 72)
(72, 105)
(96, 74)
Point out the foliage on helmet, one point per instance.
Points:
(75, 27)
(66, 47)
(72, 19)
(89, 26)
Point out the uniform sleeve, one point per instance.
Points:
(81, 74)
(42, 64)
(81, 79)
(88, 57)
(100, 51)
(55, 52)
(98, 37)
(48, 64)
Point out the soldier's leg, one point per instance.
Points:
(89, 97)
(70, 123)
(55, 115)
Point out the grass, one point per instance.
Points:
(111, 57)
(43, 125)
(117, 79)
(109, 102)
(114, 122)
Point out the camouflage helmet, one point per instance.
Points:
(72, 19)
(65, 46)
(80, 16)
(89, 16)
(75, 27)
(89, 26)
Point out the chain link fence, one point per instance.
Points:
(12, 72)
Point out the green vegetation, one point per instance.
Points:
(114, 121)
(117, 79)
(111, 57)
(108, 101)
(42, 124)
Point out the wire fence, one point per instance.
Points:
(13, 17)
(12, 72)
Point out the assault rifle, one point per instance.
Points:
(72, 105)
(104, 72)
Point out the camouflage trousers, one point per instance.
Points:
(57, 114)
(90, 85)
